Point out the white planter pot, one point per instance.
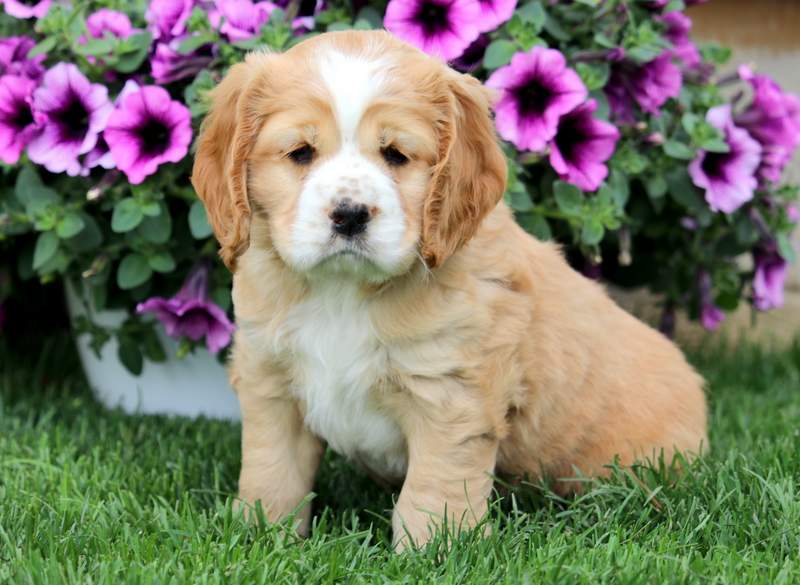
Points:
(196, 385)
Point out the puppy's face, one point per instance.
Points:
(350, 154)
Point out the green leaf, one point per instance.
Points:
(157, 229)
(45, 250)
(151, 209)
(89, 238)
(554, 29)
(151, 346)
(713, 144)
(533, 14)
(620, 189)
(161, 262)
(715, 53)
(679, 150)
(130, 355)
(133, 271)
(198, 221)
(32, 193)
(785, 247)
(499, 53)
(656, 186)
(592, 232)
(43, 47)
(193, 42)
(684, 192)
(520, 201)
(594, 75)
(568, 197)
(70, 225)
(95, 47)
(127, 216)
(371, 15)
(689, 121)
(535, 224)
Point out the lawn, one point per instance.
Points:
(92, 496)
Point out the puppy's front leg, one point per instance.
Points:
(449, 479)
(280, 456)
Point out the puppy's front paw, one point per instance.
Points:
(415, 527)
(411, 528)
(274, 513)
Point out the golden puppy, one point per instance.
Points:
(388, 305)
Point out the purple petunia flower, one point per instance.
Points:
(240, 20)
(537, 90)
(20, 9)
(191, 314)
(167, 18)
(100, 155)
(727, 177)
(581, 147)
(443, 28)
(649, 85)
(773, 118)
(472, 57)
(168, 64)
(711, 316)
(72, 112)
(678, 26)
(109, 21)
(769, 280)
(14, 58)
(147, 129)
(494, 13)
(17, 124)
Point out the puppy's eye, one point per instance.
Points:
(302, 155)
(393, 157)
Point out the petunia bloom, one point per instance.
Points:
(19, 9)
(769, 280)
(773, 118)
(109, 21)
(191, 314)
(72, 111)
(442, 28)
(582, 146)
(472, 57)
(727, 177)
(494, 13)
(167, 18)
(678, 26)
(649, 85)
(17, 124)
(240, 20)
(14, 58)
(168, 64)
(537, 90)
(147, 129)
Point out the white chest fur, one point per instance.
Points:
(338, 365)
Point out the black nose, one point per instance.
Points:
(350, 219)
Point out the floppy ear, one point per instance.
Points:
(219, 175)
(470, 176)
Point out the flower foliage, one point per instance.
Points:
(622, 139)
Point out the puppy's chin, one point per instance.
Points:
(349, 263)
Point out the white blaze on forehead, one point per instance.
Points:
(353, 81)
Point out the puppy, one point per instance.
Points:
(388, 305)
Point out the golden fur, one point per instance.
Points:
(500, 358)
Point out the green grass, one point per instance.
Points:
(92, 496)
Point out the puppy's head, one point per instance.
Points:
(351, 153)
